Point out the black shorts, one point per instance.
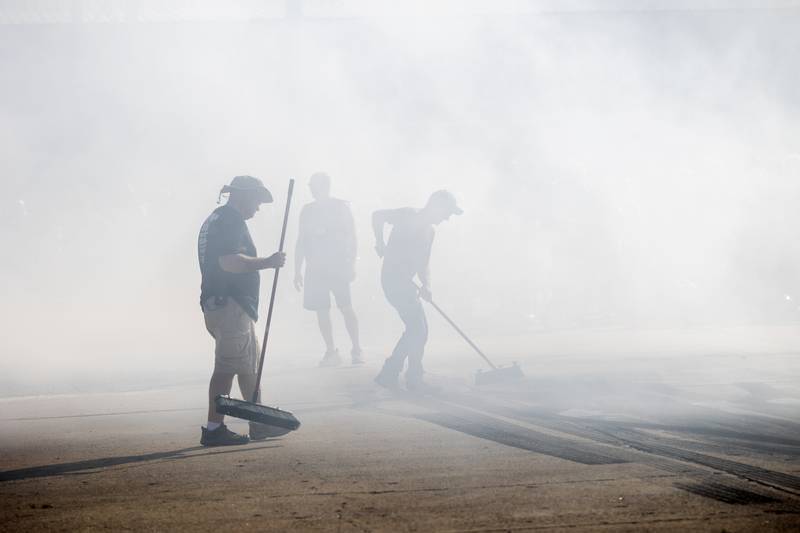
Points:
(318, 289)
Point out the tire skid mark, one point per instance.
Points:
(615, 445)
(647, 450)
(488, 428)
(705, 421)
(729, 448)
(724, 493)
(609, 524)
(753, 441)
(770, 478)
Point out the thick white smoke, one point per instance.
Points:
(617, 169)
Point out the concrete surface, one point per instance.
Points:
(707, 443)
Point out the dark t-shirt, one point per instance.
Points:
(328, 238)
(225, 233)
(409, 247)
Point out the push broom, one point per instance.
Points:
(253, 410)
(496, 374)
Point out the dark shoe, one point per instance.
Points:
(264, 431)
(222, 436)
(420, 387)
(331, 359)
(357, 357)
(386, 380)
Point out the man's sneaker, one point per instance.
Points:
(420, 387)
(386, 380)
(331, 359)
(357, 357)
(264, 431)
(222, 436)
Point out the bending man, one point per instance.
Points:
(406, 255)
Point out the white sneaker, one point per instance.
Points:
(331, 359)
(357, 357)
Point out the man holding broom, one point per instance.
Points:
(405, 257)
(230, 267)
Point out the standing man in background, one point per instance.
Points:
(406, 255)
(326, 243)
(229, 267)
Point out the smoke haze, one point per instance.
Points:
(628, 169)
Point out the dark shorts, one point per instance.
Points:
(318, 289)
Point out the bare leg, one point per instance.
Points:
(247, 384)
(326, 328)
(351, 323)
(220, 384)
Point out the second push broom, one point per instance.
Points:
(496, 374)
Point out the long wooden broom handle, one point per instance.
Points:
(458, 329)
(272, 295)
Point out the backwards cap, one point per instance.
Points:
(446, 200)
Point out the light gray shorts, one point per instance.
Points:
(234, 333)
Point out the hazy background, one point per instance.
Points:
(629, 165)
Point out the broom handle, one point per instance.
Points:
(272, 295)
(462, 333)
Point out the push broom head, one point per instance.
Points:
(256, 413)
(499, 375)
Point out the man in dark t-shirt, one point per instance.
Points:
(405, 256)
(229, 290)
(326, 243)
(225, 233)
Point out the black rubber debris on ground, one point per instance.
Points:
(484, 427)
(778, 480)
(723, 493)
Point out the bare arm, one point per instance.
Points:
(378, 220)
(424, 273)
(240, 263)
(300, 248)
(381, 218)
(299, 258)
(425, 277)
(300, 251)
(352, 237)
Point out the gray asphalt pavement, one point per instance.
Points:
(629, 444)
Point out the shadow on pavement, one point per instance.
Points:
(106, 462)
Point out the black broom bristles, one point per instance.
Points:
(499, 375)
(256, 413)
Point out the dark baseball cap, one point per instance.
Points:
(446, 200)
(251, 185)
